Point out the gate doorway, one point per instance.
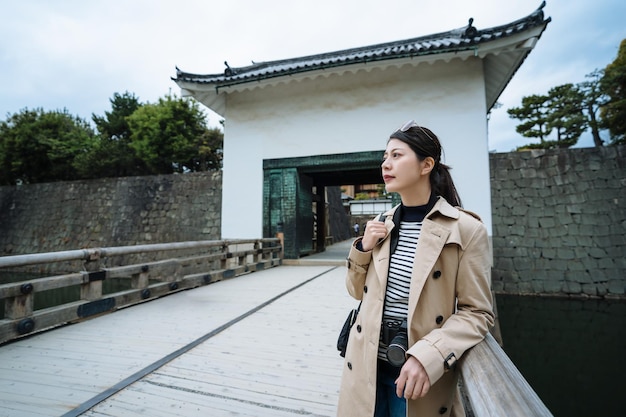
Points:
(294, 195)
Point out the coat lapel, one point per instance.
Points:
(432, 239)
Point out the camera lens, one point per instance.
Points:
(396, 351)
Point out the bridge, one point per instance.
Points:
(260, 344)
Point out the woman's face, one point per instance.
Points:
(401, 168)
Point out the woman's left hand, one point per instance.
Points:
(413, 381)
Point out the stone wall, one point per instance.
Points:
(61, 216)
(559, 221)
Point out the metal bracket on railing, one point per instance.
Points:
(92, 259)
(92, 254)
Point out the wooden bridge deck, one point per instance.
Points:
(262, 344)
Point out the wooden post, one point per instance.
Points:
(142, 279)
(19, 306)
(92, 289)
(281, 237)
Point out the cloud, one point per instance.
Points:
(76, 54)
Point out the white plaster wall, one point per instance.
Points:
(353, 113)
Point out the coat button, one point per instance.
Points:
(358, 328)
(436, 274)
(350, 365)
(365, 289)
(439, 319)
(443, 410)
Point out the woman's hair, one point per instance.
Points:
(425, 143)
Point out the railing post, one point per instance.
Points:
(281, 238)
(19, 306)
(258, 256)
(142, 279)
(92, 289)
(224, 262)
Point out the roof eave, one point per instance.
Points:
(502, 56)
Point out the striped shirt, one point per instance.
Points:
(399, 279)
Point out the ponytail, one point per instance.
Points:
(442, 184)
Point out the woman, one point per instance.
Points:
(423, 266)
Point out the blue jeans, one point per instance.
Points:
(387, 402)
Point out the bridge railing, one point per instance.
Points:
(494, 387)
(173, 267)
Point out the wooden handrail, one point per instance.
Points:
(148, 280)
(495, 387)
(91, 253)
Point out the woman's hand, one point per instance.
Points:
(413, 381)
(374, 231)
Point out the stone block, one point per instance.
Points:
(568, 240)
(601, 289)
(497, 286)
(572, 287)
(616, 287)
(538, 286)
(505, 264)
(522, 266)
(606, 263)
(546, 222)
(565, 254)
(552, 286)
(520, 210)
(589, 263)
(528, 172)
(525, 287)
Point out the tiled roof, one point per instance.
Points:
(457, 40)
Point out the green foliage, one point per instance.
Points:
(534, 114)
(593, 99)
(112, 155)
(168, 135)
(560, 111)
(613, 83)
(568, 110)
(114, 125)
(133, 139)
(208, 154)
(40, 146)
(565, 114)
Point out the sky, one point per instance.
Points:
(75, 54)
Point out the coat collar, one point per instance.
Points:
(441, 206)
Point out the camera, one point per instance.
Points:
(397, 340)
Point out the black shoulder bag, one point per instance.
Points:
(342, 341)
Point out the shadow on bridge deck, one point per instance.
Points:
(262, 344)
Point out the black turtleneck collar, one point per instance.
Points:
(417, 213)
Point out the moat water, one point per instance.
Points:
(570, 351)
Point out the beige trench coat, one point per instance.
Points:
(450, 309)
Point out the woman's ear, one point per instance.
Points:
(427, 165)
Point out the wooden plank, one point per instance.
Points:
(80, 361)
(258, 367)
